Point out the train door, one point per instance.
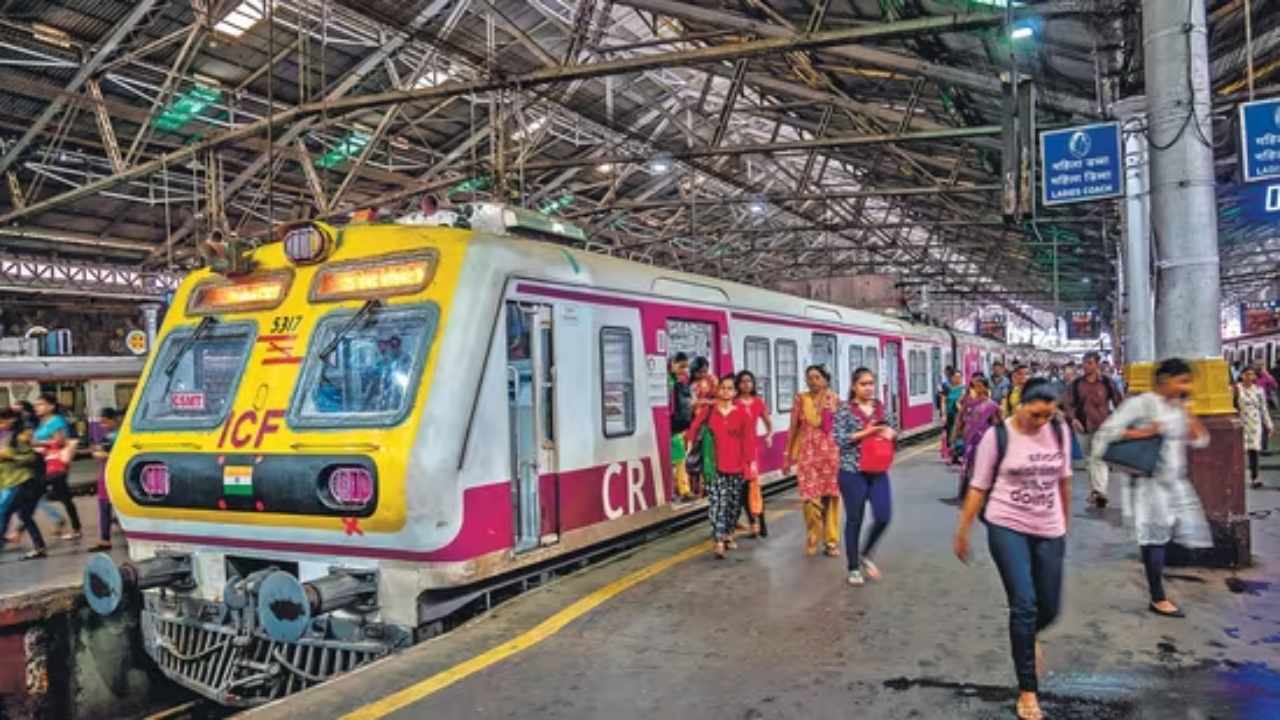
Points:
(531, 412)
(893, 389)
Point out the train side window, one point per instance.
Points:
(871, 358)
(855, 358)
(916, 373)
(755, 357)
(786, 360)
(618, 386)
(935, 364)
(824, 353)
(371, 373)
(124, 394)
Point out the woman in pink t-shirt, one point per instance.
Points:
(1027, 495)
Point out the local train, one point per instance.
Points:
(83, 385)
(1251, 348)
(330, 449)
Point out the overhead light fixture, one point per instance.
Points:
(241, 18)
(757, 206)
(51, 35)
(604, 168)
(660, 164)
(1022, 32)
(432, 78)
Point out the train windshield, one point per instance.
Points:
(364, 367)
(194, 378)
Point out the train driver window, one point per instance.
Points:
(369, 376)
(618, 386)
(195, 376)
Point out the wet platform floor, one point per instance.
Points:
(770, 633)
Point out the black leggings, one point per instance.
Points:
(61, 492)
(24, 506)
(1253, 464)
(1153, 562)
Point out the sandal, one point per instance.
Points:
(832, 551)
(731, 544)
(33, 554)
(1175, 613)
(870, 570)
(99, 547)
(719, 551)
(755, 529)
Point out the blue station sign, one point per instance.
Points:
(1260, 202)
(1260, 139)
(1081, 164)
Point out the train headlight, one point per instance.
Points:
(350, 487)
(307, 243)
(154, 479)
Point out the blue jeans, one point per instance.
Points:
(1031, 569)
(856, 489)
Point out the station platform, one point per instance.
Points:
(668, 631)
(31, 589)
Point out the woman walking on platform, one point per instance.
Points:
(1256, 417)
(1166, 507)
(753, 405)
(979, 414)
(855, 421)
(729, 424)
(698, 446)
(812, 450)
(21, 479)
(1022, 473)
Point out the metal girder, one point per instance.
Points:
(977, 82)
(338, 104)
(794, 197)
(105, 128)
(91, 280)
(83, 73)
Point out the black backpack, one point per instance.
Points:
(681, 407)
(1002, 447)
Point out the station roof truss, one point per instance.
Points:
(757, 140)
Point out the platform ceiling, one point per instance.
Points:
(130, 129)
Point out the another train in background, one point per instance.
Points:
(83, 385)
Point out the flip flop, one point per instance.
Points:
(1177, 613)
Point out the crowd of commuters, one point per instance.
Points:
(37, 447)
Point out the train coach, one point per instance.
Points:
(83, 385)
(330, 449)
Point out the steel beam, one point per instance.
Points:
(337, 104)
(83, 73)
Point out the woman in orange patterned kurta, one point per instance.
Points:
(811, 448)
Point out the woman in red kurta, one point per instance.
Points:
(753, 404)
(729, 425)
(812, 449)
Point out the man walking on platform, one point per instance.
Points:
(999, 382)
(1091, 398)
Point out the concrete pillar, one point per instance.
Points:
(1139, 316)
(1184, 215)
(1184, 210)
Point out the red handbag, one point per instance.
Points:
(875, 451)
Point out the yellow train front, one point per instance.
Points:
(261, 474)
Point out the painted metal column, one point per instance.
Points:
(1139, 325)
(1183, 207)
(150, 318)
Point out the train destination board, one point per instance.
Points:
(1084, 325)
(1081, 164)
(1259, 317)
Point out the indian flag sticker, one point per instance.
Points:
(237, 480)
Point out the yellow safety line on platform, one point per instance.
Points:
(543, 630)
(537, 634)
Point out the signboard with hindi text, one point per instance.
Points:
(1081, 164)
(994, 328)
(1260, 140)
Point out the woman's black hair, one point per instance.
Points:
(731, 377)
(821, 369)
(981, 380)
(1038, 388)
(853, 382)
(27, 408)
(698, 365)
(50, 399)
(737, 382)
(1172, 367)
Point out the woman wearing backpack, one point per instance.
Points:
(855, 423)
(1166, 507)
(1022, 474)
